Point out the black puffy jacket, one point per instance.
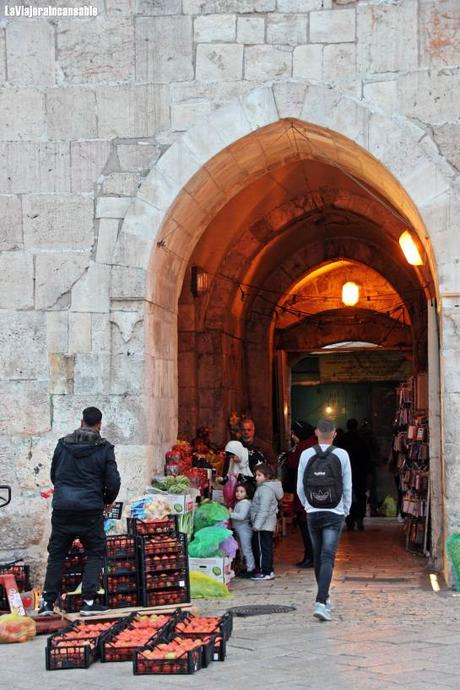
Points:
(84, 472)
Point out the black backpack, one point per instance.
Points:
(322, 479)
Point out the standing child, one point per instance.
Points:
(241, 523)
(264, 510)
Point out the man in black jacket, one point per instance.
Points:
(85, 478)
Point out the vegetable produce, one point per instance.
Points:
(16, 628)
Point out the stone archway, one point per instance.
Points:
(203, 170)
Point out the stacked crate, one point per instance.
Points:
(163, 563)
(121, 572)
(74, 565)
(20, 572)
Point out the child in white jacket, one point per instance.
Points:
(241, 524)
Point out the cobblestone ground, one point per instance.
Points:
(390, 631)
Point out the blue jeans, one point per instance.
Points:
(244, 532)
(325, 529)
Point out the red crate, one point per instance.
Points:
(112, 650)
(20, 571)
(121, 546)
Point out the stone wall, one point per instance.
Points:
(87, 108)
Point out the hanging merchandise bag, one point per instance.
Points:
(229, 491)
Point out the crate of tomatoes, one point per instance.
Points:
(132, 633)
(165, 655)
(165, 526)
(76, 646)
(218, 627)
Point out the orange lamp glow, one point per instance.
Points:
(410, 249)
(350, 294)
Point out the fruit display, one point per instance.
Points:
(172, 485)
(131, 634)
(165, 657)
(164, 562)
(76, 646)
(162, 545)
(163, 582)
(165, 525)
(121, 572)
(121, 547)
(220, 628)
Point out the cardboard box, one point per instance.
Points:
(182, 505)
(219, 568)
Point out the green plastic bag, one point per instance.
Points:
(208, 513)
(204, 587)
(389, 507)
(206, 542)
(453, 551)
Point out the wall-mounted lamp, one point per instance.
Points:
(410, 249)
(200, 281)
(350, 294)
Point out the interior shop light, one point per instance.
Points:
(200, 281)
(350, 294)
(410, 249)
(329, 409)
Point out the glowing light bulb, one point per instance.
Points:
(350, 294)
(410, 249)
(328, 409)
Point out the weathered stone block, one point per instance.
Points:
(30, 401)
(430, 96)
(16, 280)
(33, 167)
(30, 52)
(303, 5)
(137, 156)
(106, 239)
(439, 32)
(88, 161)
(127, 332)
(308, 62)
(3, 53)
(383, 46)
(127, 373)
(447, 138)
(79, 332)
(213, 28)
(158, 189)
(123, 418)
(238, 6)
(24, 524)
(71, 113)
(14, 458)
(185, 115)
(98, 49)
(123, 184)
(23, 332)
(164, 49)
(58, 222)
(339, 65)
(383, 93)
(31, 123)
(11, 224)
(136, 110)
(158, 7)
(91, 292)
(112, 207)
(92, 374)
(61, 373)
(290, 96)
(267, 62)
(331, 26)
(100, 333)
(135, 467)
(251, 30)
(128, 282)
(217, 62)
(287, 29)
(54, 276)
(57, 331)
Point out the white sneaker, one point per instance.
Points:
(322, 612)
(329, 604)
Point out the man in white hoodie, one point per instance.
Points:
(324, 489)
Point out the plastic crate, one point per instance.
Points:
(155, 563)
(121, 567)
(72, 603)
(121, 547)
(175, 579)
(75, 654)
(159, 545)
(221, 632)
(74, 562)
(111, 653)
(121, 583)
(20, 572)
(186, 664)
(79, 630)
(123, 600)
(167, 597)
(70, 581)
(167, 525)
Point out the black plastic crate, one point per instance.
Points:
(186, 664)
(165, 526)
(74, 562)
(221, 631)
(116, 584)
(157, 563)
(122, 600)
(70, 581)
(83, 630)
(159, 545)
(174, 579)
(121, 546)
(75, 654)
(72, 603)
(166, 597)
(121, 567)
(110, 652)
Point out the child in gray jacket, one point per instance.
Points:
(241, 524)
(264, 510)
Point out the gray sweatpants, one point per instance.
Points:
(244, 532)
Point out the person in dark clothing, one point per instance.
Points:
(303, 437)
(358, 450)
(257, 456)
(86, 479)
(374, 458)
